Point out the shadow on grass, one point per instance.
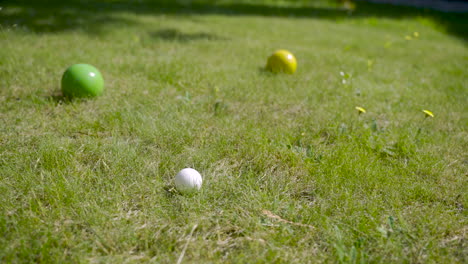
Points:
(58, 99)
(265, 72)
(176, 35)
(91, 16)
(170, 191)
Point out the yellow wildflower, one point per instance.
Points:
(360, 110)
(428, 113)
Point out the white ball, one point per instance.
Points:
(188, 180)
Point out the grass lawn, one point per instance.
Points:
(291, 172)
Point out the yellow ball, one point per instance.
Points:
(282, 61)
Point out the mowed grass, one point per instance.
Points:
(91, 181)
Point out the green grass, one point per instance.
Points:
(90, 181)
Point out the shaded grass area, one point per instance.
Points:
(56, 15)
(91, 180)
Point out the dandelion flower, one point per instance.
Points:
(360, 110)
(428, 113)
(408, 37)
(416, 34)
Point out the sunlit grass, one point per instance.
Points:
(335, 163)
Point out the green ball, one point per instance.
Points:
(82, 80)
